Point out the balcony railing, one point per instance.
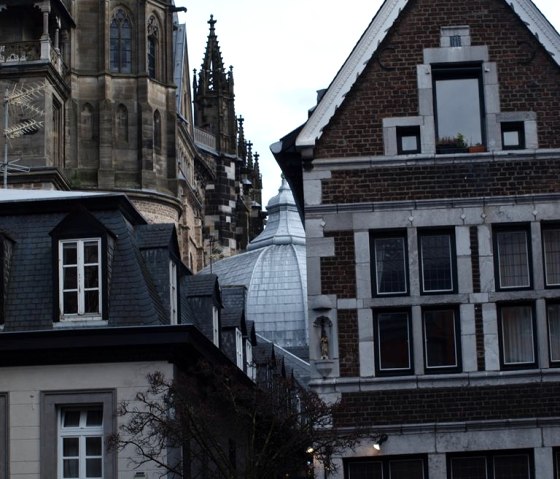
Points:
(33, 51)
(204, 138)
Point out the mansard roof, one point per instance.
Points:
(376, 32)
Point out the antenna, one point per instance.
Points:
(23, 97)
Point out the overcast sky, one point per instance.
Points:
(282, 52)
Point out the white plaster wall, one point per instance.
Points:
(25, 384)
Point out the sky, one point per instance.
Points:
(282, 52)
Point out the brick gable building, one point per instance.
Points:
(427, 175)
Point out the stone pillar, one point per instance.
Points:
(45, 7)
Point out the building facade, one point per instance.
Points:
(112, 90)
(427, 175)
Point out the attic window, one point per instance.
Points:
(455, 36)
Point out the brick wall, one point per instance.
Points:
(348, 343)
(529, 79)
(338, 273)
(450, 404)
(484, 178)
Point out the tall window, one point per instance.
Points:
(157, 131)
(57, 132)
(513, 258)
(215, 326)
(79, 268)
(239, 348)
(551, 249)
(440, 339)
(553, 315)
(153, 60)
(80, 443)
(517, 335)
(121, 43)
(390, 264)
(437, 262)
(387, 467)
(173, 294)
(488, 465)
(459, 104)
(393, 341)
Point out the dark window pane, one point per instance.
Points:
(552, 256)
(70, 468)
(71, 303)
(511, 467)
(93, 446)
(70, 280)
(513, 259)
(390, 265)
(91, 279)
(71, 418)
(553, 313)
(517, 334)
(468, 468)
(439, 328)
(394, 350)
(69, 253)
(91, 252)
(365, 470)
(406, 469)
(94, 417)
(70, 447)
(91, 301)
(93, 468)
(436, 263)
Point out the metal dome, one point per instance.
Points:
(274, 271)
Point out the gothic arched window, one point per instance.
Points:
(153, 46)
(121, 42)
(157, 132)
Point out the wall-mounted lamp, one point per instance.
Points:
(380, 440)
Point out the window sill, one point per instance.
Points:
(80, 323)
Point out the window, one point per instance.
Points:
(153, 61)
(251, 368)
(512, 258)
(215, 326)
(3, 436)
(517, 341)
(437, 252)
(388, 467)
(239, 348)
(459, 105)
(80, 443)
(492, 465)
(173, 295)
(408, 140)
(441, 339)
(551, 250)
(73, 428)
(513, 135)
(157, 132)
(121, 43)
(393, 342)
(553, 315)
(390, 263)
(57, 132)
(79, 274)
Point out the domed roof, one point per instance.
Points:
(274, 271)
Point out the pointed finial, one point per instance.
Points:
(212, 22)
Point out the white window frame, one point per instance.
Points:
(251, 370)
(499, 247)
(81, 432)
(377, 262)
(239, 348)
(80, 286)
(451, 251)
(215, 326)
(508, 342)
(173, 308)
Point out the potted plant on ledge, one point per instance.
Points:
(452, 144)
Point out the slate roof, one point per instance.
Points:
(156, 235)
(201, 285)
(233, 300)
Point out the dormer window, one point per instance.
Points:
(81, 247)
(79, 273)
(173, 309)
(215, 326)
(239, 348)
